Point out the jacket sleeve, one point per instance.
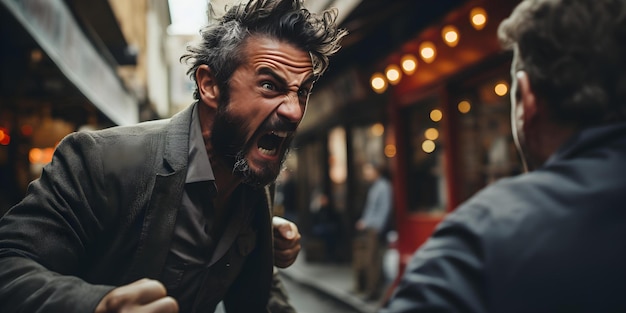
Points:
(279, 300)
(45, 237)
(445, 275)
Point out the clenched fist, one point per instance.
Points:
(286, 242)
(142, 296)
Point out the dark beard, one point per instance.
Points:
(228, 141)
(267, 175)
(226, 138)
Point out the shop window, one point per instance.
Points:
(486, 151)
(426, 178)
(368, 144)
(310, 179)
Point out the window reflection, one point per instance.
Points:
(426, 179)
(485, 143)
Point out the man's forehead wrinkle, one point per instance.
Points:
(274, 51)
(282, 60)
(296, 81)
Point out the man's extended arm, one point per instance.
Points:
(43, 239)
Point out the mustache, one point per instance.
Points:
(278, 124)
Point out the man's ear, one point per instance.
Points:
(207, 86)
(527, 98)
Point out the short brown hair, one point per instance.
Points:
(573, 52)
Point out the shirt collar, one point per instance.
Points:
(587, 139)
(199, 167)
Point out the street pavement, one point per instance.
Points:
(306, 299)
(315, 287)
(331, 279)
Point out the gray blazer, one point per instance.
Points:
(102, 214)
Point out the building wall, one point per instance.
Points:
(471, 149)
(57, 78)
(132, 19)
(157, 70)
(144, 24)
(181, 85)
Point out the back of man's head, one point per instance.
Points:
(573, 52)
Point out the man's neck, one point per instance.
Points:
(552, 138)
(225, 181)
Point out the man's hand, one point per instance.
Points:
(360, 225)
(286, 242)
(142, 296)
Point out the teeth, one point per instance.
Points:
(281, 134)
(268, 152)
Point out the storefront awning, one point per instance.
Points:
(54, 28)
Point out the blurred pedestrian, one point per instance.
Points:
(551, 240)
(174, 215)
(325, 224)
(372, 227)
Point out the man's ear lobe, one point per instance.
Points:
(527, 96)
(207, 86)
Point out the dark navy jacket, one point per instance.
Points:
(553, 240)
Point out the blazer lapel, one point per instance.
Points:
(165, 200)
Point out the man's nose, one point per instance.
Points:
(291, 108)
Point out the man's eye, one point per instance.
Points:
(268, 86)
(303, 92)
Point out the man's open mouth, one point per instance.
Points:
(270, 143)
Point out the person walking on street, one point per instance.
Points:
(174, 215)
(372, 229)
(552, 239)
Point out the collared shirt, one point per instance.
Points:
(189, 270)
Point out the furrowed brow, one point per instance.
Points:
(309, 80)
(270, 72)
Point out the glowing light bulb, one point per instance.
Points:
(377, 129)
(431, 134)
(501, 89)
(378, 83)
(478, 18)
(436, 115)
(390, 151)
(393, 74)
(409, 64)
(428, 52)
(464, 106)
(450, 35)
(428, 146)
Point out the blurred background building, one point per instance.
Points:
(419, 86)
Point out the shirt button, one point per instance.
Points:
(227, 264)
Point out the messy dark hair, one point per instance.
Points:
(286, 20)
(573, 52)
